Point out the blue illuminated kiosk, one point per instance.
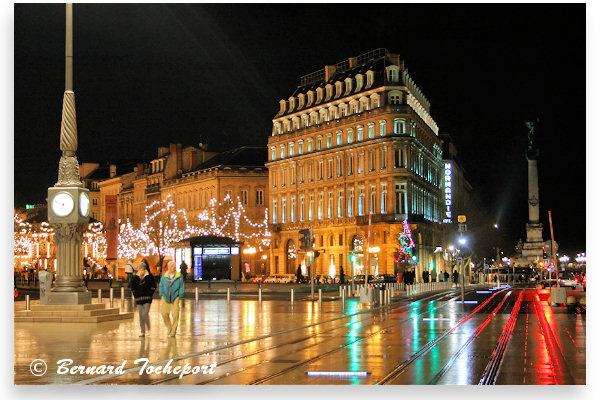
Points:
(210, 257)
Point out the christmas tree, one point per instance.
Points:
(406, 244)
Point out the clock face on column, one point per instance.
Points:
(84, 204)
(63, 204)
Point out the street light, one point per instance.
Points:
(496, 226)
(462, 241)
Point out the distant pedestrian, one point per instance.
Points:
(183, 269)
(446, 276)
(143, 287)
(105, 272)
(299, 274)
(342, 277)
(441, 277)
(171, 290)
(426, 276)
(455, 277)
(129, 271)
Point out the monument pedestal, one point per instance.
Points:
(91, 313)
(68, 298)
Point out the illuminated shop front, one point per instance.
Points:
(210, 257)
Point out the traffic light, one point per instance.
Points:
(305, 239)
(544, 254)
(352, 257)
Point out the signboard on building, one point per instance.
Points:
(112, 226)
(447, 193)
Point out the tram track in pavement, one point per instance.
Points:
(103, 379)
(266, 378)
(425, 349)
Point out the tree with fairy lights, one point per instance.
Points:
(407, 245)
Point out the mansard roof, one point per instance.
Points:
(246, 157)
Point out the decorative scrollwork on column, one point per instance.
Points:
(67, 232)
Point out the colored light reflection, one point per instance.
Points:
(483, 291)
(436, 319)
(337, 373)
(468, 302)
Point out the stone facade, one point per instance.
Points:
(355, 139)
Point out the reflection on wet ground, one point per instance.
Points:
(273, 343)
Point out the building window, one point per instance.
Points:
(323, 115)
(301, 208)
(320, 171)
(372, 199)
(304, 120)
(274, 211)
(361, 162)
(329, 205)
(293, 209)
(343, 110)
(329, 169)
(359, 133)
(399, 158)
(300, 147)
(350, 164)
(320, 207)
(313, 118)
(311, 205)
(371, 131)
(399, 126)
(339, 166)
(340, 205)
(381, 128)
(319, 142)
(259, 197)
(361, 200)
(283, 210)
(244, 197)
(301, 173)
(338, 137)
(273, 153)
(383, 198)
(350, 201)
(371, 160)
(309, 147)
(291, 149)
(309, 172)
(329, 141)
(282, 151)
(396, 98)
(292, 174)
(350, 136)
(400, 199)
(383, 159)
(282, 176)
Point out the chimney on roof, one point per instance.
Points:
(139, 169)
(162, 151)
(179, 159)
(112, 170)
(329, 72)
(193, 159)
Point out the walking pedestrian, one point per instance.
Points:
(441, 277)
(342, 277)
(129, 271)
(171, 290)
(455, 277)
(426, 276)
(299, 274)
(143, 287)
(446, 276)
(183, 269)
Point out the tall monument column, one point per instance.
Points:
(68, 200)
(532, 248)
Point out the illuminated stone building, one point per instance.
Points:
(355, 138)
(192, 177)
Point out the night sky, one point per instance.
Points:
(148, 75)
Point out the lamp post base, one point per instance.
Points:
(69, 298)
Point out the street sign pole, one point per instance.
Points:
(312, 272)
(552, 247)
(368, 252)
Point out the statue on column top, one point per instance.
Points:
(532, 152)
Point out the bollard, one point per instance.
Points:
(122, 297)
(292, 297)
(380, 297)
(111, 298)
(197, 294)
(260, 295)
(343, 300)
(320, 299)
(27, 302)
(99, 295)
(340, 291)
(132, 301)
(228, 295)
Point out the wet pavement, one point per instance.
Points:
(432, 340)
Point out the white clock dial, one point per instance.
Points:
(84, 204)
(63, 204)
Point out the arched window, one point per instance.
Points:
(323, 115)
(328, 91)
(353, 107)
(314, 117)
(374, 101)
(359, 82)
(370, 78)
(395, 97)
(348, 82)
(292, 102)
(364, 104)
(286, 125)
(338, 89)
(304, 120)
(295, 123)
(301, 98)
(310, 96)
(319, 95)
(333, 114)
